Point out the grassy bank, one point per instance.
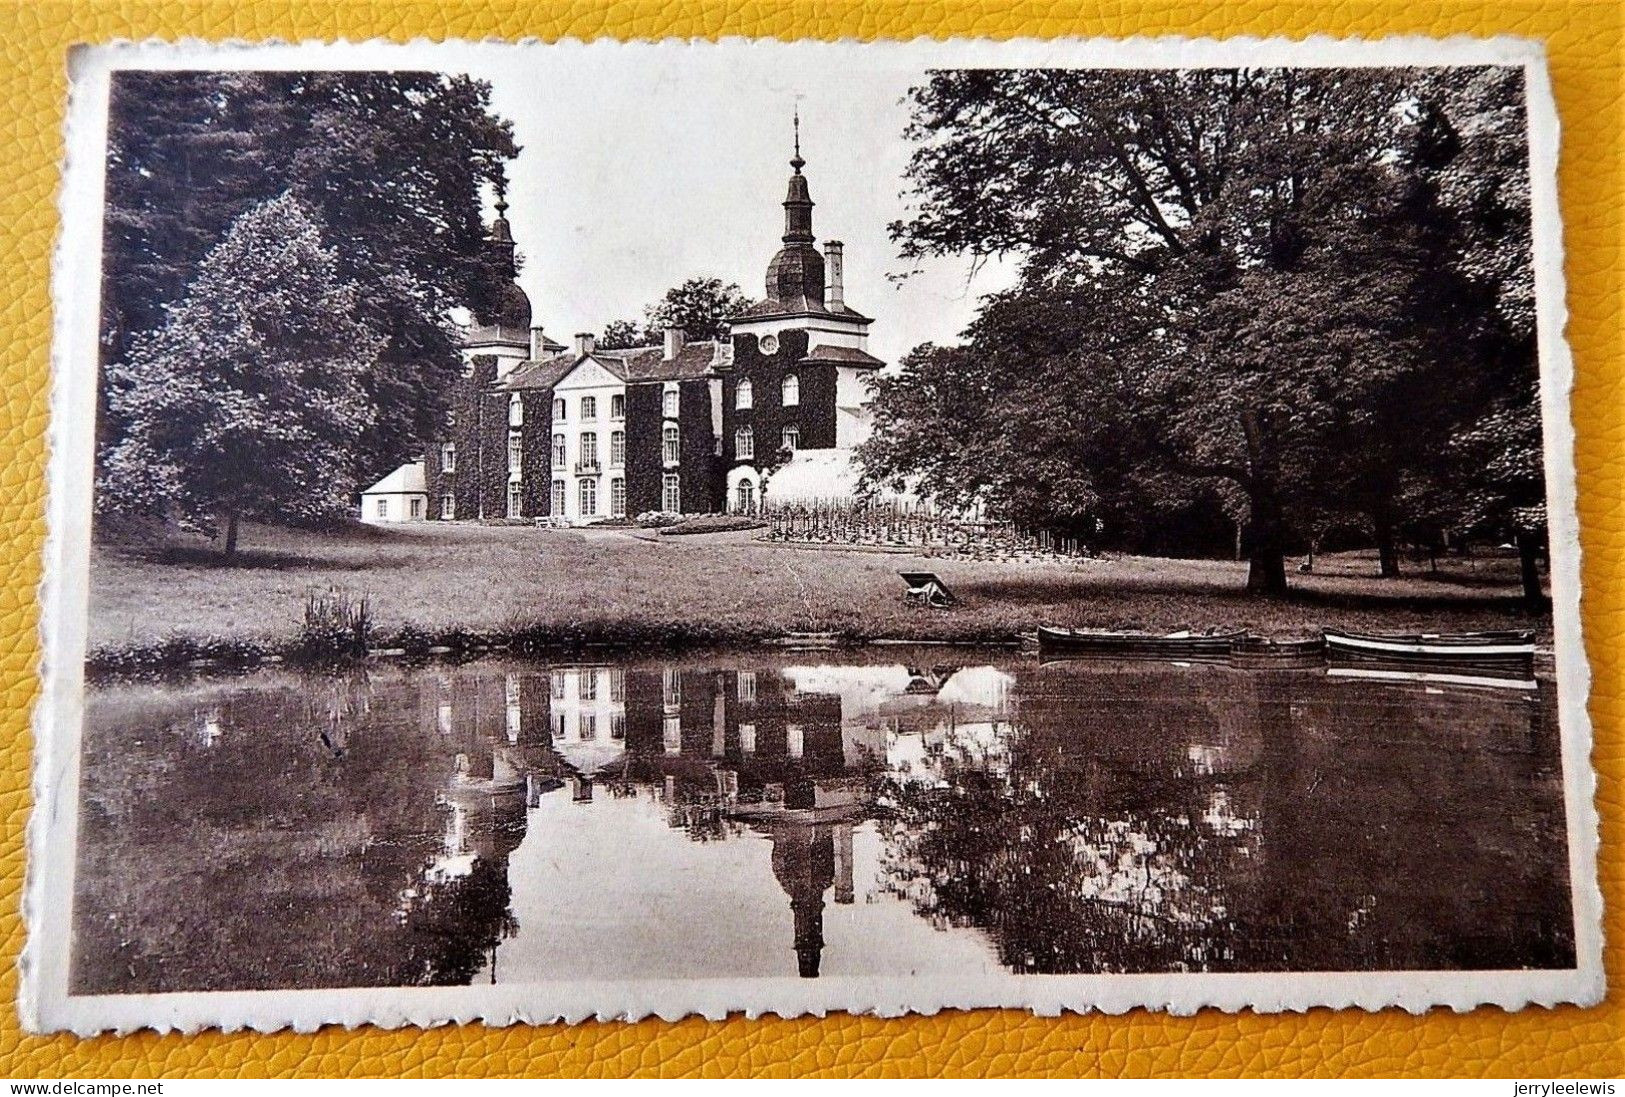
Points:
(170, 598)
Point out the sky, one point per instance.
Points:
(645, 165)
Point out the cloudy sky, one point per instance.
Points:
(649, 164)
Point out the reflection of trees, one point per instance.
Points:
(1062, 883)
(450, 928)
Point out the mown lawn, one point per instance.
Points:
(632, 585)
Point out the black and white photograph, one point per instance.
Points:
(545, 531)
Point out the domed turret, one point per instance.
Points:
(795, 277)
(506, 306)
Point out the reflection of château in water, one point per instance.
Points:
(787, 753)
(1080, 817)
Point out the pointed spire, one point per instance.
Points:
(500, 230)
(798, 203)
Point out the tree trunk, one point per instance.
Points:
(1387, 548)
(1266, 561)
(231, 534)
(1528, 569)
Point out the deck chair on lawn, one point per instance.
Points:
(923, 588)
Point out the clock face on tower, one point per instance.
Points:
(768, 344)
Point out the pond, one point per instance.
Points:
(885, 811)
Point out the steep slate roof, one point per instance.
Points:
(631, 364)
(800, 305)
(846, 356)
(406, 480)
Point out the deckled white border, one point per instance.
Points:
(43, 1001)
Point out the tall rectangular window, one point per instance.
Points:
(617, 684)
(589, 684)
(448, 505)
(516, 501)
(747, 685)
(617, 498)
(589, 726)
(557, 685)
(670, 445)
(448, 457)
(671, 495)
(417, 508)
(558, 409)
(589, 407)
(671, 686)
(617, 449)
(589, 497)
(617, 406)
(557, 509)
(383, 508)
(669, 403)
(790, 439)
(671, 734)
(516, 451)
(744, 444)
(516, 411)
(589, 450)
(617, 726)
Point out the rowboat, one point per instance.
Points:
(1261, 651)
(1173, 645)
(1468, 649)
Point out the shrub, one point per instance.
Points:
(713, 523)
(337, 625)
(655, 519)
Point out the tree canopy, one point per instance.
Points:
(391, 164)
(701, 306)
(1286, 287)
(251, 400)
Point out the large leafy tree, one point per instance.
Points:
(701, 306)
(1267, 261)
(251, 400)
(391, 163)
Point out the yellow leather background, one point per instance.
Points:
(1585, 46)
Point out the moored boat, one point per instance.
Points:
(1173, 645)
(1262, 651)
(1468, 649)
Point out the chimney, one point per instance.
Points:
(538, 345)
(835, 295)
(675, 338)
(584, 343)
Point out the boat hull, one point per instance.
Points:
(1070, 643)
(1494, 650)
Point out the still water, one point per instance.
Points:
(887, 812)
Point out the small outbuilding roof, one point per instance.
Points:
(406, 480)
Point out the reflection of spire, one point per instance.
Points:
(804, 863)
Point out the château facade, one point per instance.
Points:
(575, 434)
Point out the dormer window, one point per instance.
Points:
(742, 395)
(790, 392)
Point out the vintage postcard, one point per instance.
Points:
(548, 531)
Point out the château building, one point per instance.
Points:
(575, 434)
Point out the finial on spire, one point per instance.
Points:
(502, 195)
(797, 162)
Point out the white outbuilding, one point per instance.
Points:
(402, 496)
